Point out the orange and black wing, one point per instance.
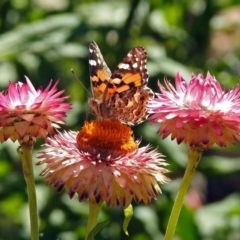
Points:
(131, 71)
(99, 72)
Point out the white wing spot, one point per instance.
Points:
(135, 65)
(92, 62)
(123, 66)
(116, 81)
(99, 61)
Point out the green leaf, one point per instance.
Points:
(128, 213)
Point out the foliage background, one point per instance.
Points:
(45, 39)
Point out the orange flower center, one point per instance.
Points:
(107, 138)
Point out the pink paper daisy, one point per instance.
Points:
(103, 163)
(200, 113)
(27, 113)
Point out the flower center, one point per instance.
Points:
(106, 138)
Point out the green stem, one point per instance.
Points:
(194, 157)
(25, 153)
(94, 210)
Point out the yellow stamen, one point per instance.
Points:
(107, 138)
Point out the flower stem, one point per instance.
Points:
(194, 157)
(25, 153)
(94, 210)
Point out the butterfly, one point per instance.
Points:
(123, 94)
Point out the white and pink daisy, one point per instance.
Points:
(200, 113)
(103, 163)
(27, 113)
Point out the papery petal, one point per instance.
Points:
(27, 111)
(116, 179)
(198, 113)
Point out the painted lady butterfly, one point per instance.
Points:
(122, 95)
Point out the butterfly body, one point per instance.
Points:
(123, 94)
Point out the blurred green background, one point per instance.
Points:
(45, 39)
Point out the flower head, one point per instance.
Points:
(200, 113)
(110, 168)
(27, 113)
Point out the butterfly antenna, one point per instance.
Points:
(90, 94)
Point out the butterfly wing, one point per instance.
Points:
(123, 95)
(128, 82)
(131, 71)
(99, 72)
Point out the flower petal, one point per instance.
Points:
(200, 113)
